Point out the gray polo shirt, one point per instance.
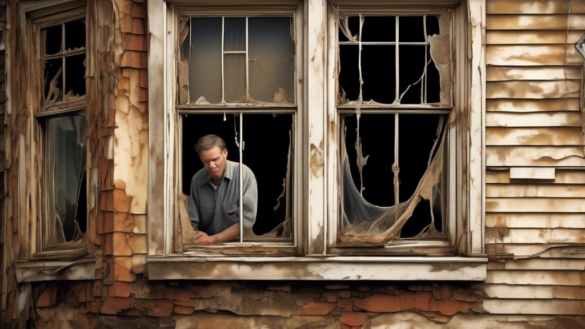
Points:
(212, 209)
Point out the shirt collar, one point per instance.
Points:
(228, 173)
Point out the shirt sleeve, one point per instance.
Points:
(250, 198)
(192, 208)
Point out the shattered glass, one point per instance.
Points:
(65, 161)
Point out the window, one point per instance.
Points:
(239, 84)
(393, 105)
(375, 81)
(64, 131)
(55, 148)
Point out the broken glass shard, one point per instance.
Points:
(205, 79)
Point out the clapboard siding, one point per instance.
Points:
(534, 136)
(532, 105)
(507, 37)
(534, 227)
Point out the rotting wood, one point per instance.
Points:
(526, 156)
(535, 236)
(558, 119)
(546, 73)
(554, 220)
(542, 191)
(531, 37)
(501, 291)
(533, 105)
(529, 55)
(544, 264)
(556, 136)
(537, 307)
(534, 7)
(532, 205)
(543, 277)
(536, 22)
(533, 89)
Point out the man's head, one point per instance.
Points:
(213, 153)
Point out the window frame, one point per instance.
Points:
(314, 259)
(400, 246)
(74, 257)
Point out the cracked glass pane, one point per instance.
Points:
(235, 34)
(270, 57)
(235, 78)
(65, 159)
(205, 71)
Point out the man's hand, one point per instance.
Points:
(202, 238)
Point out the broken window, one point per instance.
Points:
(64, 129)
(393, 106)
(65, 159)
(64, 62)
(236, 80)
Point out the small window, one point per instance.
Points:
(64, 134)
(236, 79)
(393, 106)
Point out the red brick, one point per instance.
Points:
(94, 307)
(183, 310)
(330, 296)
(154, 307)
(407, 300)
(97, 288)
(132, 312)
(379, 303)
(318, 308)
(353, 319)
(148, 290)
(83, 296)
(48, 297)
(114, 305)
(464, 307)
(437, 293)
(138, 10)
(449, 307)
(345, 294)
(345, 305)
(143, 79)
(138, 26)
(337, 286)
(445, 292)
(460, 294)
(345, 326)
(178, 293)
(120, 289)
(423, 301)
(190, 302)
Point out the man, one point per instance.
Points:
(214, 202)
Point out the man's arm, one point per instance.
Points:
(228, 234)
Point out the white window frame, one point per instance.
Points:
(64, 262)
(317, 148)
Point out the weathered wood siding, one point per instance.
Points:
(533, 119)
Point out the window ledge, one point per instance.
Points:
(179, 267)
(83, 269)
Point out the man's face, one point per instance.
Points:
(214, 161)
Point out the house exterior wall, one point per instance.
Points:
(534, 227)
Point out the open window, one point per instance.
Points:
(236, 78)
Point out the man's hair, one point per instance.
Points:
(207, 142)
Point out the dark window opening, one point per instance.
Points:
(376, 53)
(267, 151)
(377, 197)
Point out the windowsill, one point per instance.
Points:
(51, 270)
(180, 267)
